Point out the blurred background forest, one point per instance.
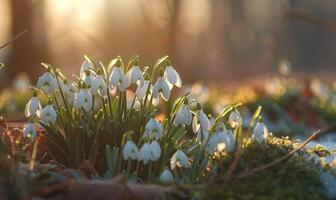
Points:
(208, 40)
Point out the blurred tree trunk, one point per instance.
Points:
(174, 7)
(25, 53)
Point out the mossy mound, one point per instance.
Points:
(299, 177)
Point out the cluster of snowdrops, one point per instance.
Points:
(128, 118)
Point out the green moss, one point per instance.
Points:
(296, 178)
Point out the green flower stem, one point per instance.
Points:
(129, 164)
(150, 166)
(59, 111)
(65, 101)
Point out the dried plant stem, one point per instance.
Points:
(277, 161)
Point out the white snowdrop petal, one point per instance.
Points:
(231, 141)
(33, 107)
(156, 89)
(260, 133)
(30, 131)
(165, 90)
(170, 75)
(48, 114)
(130, 150)
(48, 83)
(155, 150)
(179, 159)
(145, 153)
(166, 176)
(195, 125)
(204, 120)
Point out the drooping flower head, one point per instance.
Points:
(33, 107)
(47, 83)
(202, 136)
(130, 150)
(172, 76)
(48, 114)
(224, 138)
(260, 133)
(235, 119)
(166, 176)
(179, 159)
(29, 131)
(200, 120)
(134, 75)
(141, 91)
(98, 85)
(69, 91)
(183, 116)
(83, 99)
(153, 129)
(155, 150)
(86, 66)
(145, 154)
(161, 87)
(87, 78)
(117, 78)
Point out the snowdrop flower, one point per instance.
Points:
(212, 144)
(87, 78)
(260, 133)
(166, 176)
(225, 140)
(30, 131)
(235, 119)
(130, 150)
(173, 77)
(153, 129)
(202, 136)
(161, 87)
(200, 120)
(231, 141)
(83, 99)
(86, 66)
(48, 83)
(144, 154)
(33, 106)
(98, 86)
(134, 76)
(184, 115)
(69, 91)
(179, 159)
(48, 114)
(117, 79)
(155, 150)
(141, 90)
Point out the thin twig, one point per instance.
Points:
(277, 161)
(13, 39)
